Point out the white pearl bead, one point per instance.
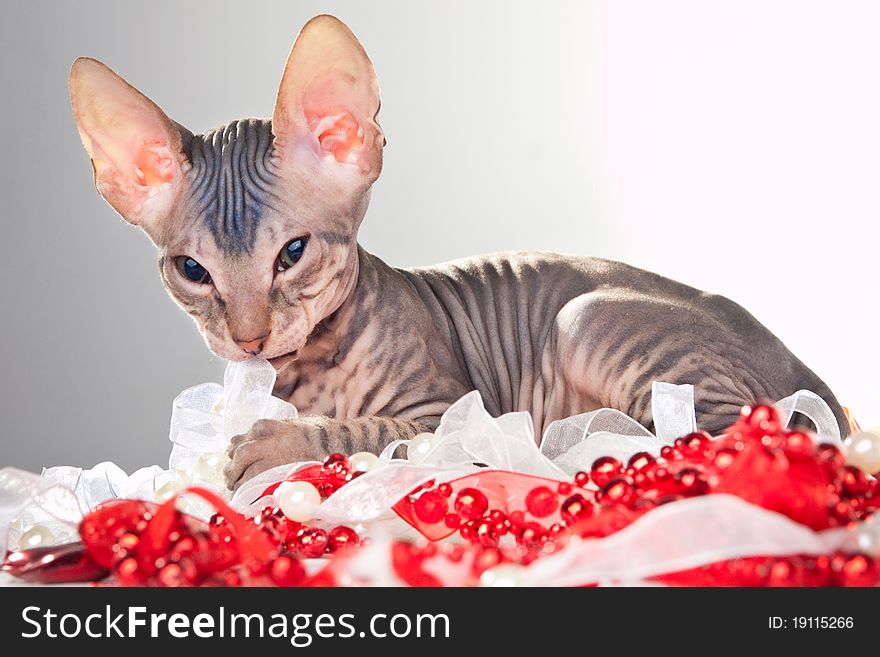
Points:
(418, 447)
(183, 478)
(863, 450)
(36, 536)
(868, 537)
(298, 500)
(364, 462)
(165, 492)
(217, 419)
(210, 467)
(504, 575)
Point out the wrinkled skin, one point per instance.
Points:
(366, 352)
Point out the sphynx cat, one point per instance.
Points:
(256, 225)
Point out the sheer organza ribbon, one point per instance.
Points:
(205, 418)
(469, 435)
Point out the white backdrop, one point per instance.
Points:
(731, 145)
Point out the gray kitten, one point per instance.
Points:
(256, 225)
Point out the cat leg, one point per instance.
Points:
(611, 345)
(270, 443)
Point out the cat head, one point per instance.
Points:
(256, 221)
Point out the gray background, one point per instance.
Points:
(699, 139)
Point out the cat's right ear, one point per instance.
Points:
(135, 148)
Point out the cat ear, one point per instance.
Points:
(135, 149)
(328, 100)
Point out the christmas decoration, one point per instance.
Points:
(603, 501)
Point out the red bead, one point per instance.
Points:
(334, 459)
(532, 535)
(337, 465)
(287, 571)
(496, 515)
(128, 572)
(556, 528)
(798, 442)
(516, 519)
(695, 443)
(128, 541)
(541, 501)
(724, 458)
(431, 507)
(581, 479)
(617, 491)
(468, 531)
(312, 542)
(498, 527)
(452, 520)
(564, 488)
(762, 419)
(853, 482)
(639, 460)
(576, 508)
(486, 558)
(781, 573)
(691, 482)
(170, 575)
(341, 537)
(842, 511)
(859, 570)
(604, 469)
(669, 453)
(485, 533)
(444, 489)
(471, 503)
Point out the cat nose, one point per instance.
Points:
(254, 346)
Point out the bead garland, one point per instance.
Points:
(506, 520)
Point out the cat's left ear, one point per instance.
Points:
(135, 148)
(328, 101)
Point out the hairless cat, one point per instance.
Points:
(256, 225)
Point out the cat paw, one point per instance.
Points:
(267, 444)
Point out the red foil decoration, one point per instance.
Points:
(142, 543)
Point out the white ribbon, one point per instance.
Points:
(27, 497)
(683, 535)
(206, 417)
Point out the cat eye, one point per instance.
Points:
(291, 254)
(192, 270)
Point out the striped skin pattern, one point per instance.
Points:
(233, 178)
(369, 353)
